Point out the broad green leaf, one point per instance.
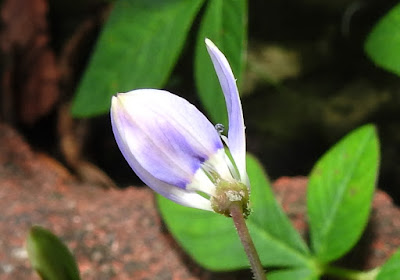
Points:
(225, 23)
(382, 44)
(391, 269)
(211, 238)
(303, 273)
(340, 192)
(138, 48)
(268, 217)
(49, 256)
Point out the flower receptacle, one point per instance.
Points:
(228, 193)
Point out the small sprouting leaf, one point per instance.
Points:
(382, 44)
(212, 240)
(138, 48)
(49, 256)
(224, 23)
(391, 269)
(340, 192)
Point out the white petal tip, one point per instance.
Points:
(209, 43)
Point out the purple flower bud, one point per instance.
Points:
(174, 148)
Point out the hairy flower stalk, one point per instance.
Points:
(178, 152)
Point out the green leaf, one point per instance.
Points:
(382, 44)
(138, 48)
(303, 273)
(340, 192)
(211, 238)
(49, 256)
(391, 269)
(225, 23)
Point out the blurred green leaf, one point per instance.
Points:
(225, 23)
(303, 273)
(212, 241)
(391, 269)
(382, 44)
(49, 256)
(340, 192)
(138, 48)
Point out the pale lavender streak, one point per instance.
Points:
(157, 161)
(236, 132)
(169, 191)
(169, 142)
(170, 139)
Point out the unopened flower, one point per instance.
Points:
(175, 149)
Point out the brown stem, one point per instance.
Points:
(236, 212)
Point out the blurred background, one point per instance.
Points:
(307, 81)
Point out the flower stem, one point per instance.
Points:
(236, 212)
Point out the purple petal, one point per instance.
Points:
(171, 192)
(236, 135)
(162, 136)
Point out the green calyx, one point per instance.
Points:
(228, 193)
